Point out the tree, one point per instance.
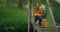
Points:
(0, 1)
(20, 4)
(31, 26)
(10, 2)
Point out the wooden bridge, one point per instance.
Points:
(51, 27)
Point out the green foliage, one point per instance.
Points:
(56, 10)
(13, 19)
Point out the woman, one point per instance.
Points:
(38, 13)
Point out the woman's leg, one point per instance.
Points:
(36, 18)
(40, 20)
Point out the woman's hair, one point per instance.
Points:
(36, 3)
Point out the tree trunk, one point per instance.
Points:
(8, 2)
(0, 1)
(12, 2)
(20, 4)
(31, 18)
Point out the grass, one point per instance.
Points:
(13, 17)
